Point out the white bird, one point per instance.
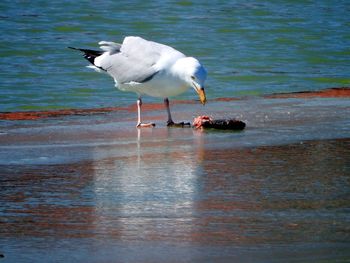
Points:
(147, 67)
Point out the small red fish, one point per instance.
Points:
(222, 124)
(200, 120)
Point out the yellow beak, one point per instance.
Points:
(202, 97)
(201, 94)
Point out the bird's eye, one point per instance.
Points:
(193, 77)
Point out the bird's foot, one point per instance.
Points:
(179, 124)
(145, 125)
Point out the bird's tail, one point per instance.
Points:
(89, 54)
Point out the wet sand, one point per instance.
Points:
(87, 186)
(34, 115)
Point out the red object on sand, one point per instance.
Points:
(200, 120)
(222, 124)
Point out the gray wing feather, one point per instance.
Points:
(135, 61)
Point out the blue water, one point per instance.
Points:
(248, 48)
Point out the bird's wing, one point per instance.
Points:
(135, 61)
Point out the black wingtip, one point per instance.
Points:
(89, 54)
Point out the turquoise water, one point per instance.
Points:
(248, 48)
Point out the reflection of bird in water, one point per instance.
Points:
(139, 188)
(150, 68)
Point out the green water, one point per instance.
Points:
(249, 48)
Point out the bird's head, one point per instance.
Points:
(194, 74)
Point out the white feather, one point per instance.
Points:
(96, 69)
(109, 46)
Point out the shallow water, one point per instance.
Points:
(265, 203)
(248, 48)
(95, 189)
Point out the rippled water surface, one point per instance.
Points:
(248, 48)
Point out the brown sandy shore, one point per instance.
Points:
(343, 92)
(87, 186)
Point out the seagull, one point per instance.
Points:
(148, 68)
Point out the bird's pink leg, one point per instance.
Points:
(139, 123)
(170, 121)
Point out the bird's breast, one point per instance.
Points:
(161, 85)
